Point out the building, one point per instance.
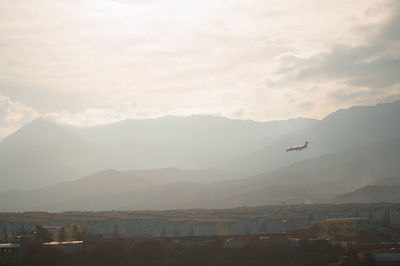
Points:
(351, 225)
(394, 216)
(208, 222)
(53, 231)
(376, 212)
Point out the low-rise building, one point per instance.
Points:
(351, 225)
(394, 216)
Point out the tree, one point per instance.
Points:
(6, 237)
(43, 234)
(77, 233)
(62, 234)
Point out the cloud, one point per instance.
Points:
(13, 115)
(93, 116)
(350, 74)
(81, 61)
(101, 116)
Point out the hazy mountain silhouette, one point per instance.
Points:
(369, 194)
(313, 180)
(107, 182)
(42, 153)
(338, 131)
(196, 142)
(366, 163)
(350, 148)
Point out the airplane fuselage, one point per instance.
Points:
(298, 148)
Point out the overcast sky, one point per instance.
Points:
(100, 61)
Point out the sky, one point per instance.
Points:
(100, 61)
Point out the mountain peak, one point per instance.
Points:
(38, 128)
(380, 107)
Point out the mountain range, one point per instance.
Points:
(43, 153)
(319, 179)
(352, 151)
(336, 132)
(371, 194)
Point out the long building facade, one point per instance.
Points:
(200, 222)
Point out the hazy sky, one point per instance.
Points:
(99, 61)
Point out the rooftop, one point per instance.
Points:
(347, 219)
(272, 211)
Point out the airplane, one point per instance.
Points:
(298, 148)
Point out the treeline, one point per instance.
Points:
(120, 252)
(63, 234)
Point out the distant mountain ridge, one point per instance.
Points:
(371, 194)
(107, 182)
(44, 153)
(193, 142)
(350, 149)
(365, 163)
(336, 132)
(314, 180)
